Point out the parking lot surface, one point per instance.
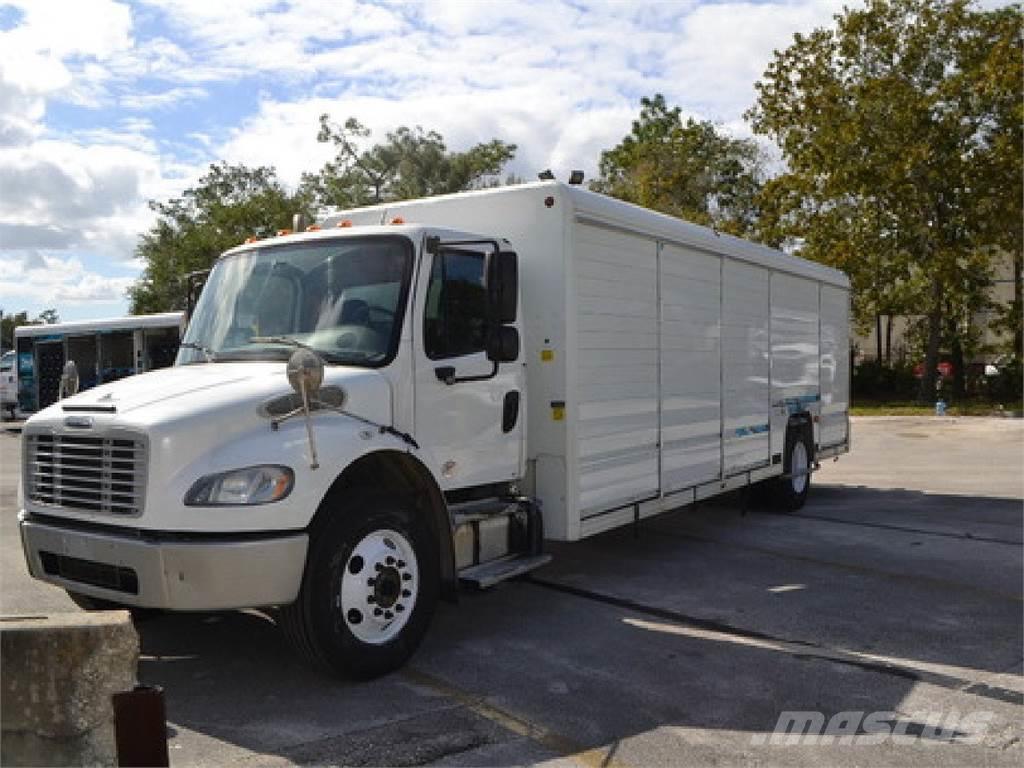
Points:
(897, 591)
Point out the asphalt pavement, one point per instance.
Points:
(896, 591)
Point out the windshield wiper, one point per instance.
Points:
(327, 357)
(208, 353)
(280, 340)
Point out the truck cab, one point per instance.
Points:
(353, 494)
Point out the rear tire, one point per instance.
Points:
(369, 589)
(790, 492)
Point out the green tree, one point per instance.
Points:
(229, 204)
(900, 128)
(410, 163)
(10, 322)
(688, 169)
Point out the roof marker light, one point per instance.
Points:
(345, 223)
(398, 220)
(282, 232)
(313, 228)
(252, 239)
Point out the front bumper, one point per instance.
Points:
(196, 575)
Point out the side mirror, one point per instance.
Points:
(194, 284)
(502, 286)
(503, 344)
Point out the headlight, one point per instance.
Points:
(240, 487)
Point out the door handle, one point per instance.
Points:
(510, 411)
(445, 373)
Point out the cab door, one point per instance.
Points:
(469, 417)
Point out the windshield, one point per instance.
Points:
(343, 298)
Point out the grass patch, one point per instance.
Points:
(915, 409)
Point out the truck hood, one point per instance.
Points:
(202, 387)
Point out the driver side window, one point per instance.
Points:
(454, 322)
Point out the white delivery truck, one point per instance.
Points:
(366, 413)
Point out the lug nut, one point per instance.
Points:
(377, 611)
(399, 608)
(371, 599)
(370, 582)
(400, 563)
(406, 593)
(388, 615)
(389, 560)
(354, 616)
(406, 577)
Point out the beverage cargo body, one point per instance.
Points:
(103, 351)
(664, 361)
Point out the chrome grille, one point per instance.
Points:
(104, 474)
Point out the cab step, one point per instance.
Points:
(488, 574)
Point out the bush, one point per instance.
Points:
(1007, 388)
(873, 380)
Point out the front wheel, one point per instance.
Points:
(369, 589)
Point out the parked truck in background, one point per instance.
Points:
(103, 350)
(8, 385)
(369, 412)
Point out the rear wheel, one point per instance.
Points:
(790, 491)
(369, 589)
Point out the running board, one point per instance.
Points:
(488, 574)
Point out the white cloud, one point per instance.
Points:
(50, 280)
(142, 102)
(562, 79)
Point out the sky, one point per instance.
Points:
(106, 105)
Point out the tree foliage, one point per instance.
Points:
(227, 205)
(688, 169)
(901, 129)
(11, 321)
(410, 163)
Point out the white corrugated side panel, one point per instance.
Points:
(794, 343)
(835, 365)
(690, 380)
(615, 279)
(745, 368)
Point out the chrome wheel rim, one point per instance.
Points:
(798, 467)
(379, 586)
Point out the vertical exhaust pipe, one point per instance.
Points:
(140, 727)
(298, 223)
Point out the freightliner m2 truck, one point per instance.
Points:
(365, 414)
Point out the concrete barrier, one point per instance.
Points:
(59, 673)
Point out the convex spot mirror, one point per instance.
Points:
(503, 344)
(69, 379)
(305, 370)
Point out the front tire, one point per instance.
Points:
(369, 589)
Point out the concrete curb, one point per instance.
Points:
(59, 673)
